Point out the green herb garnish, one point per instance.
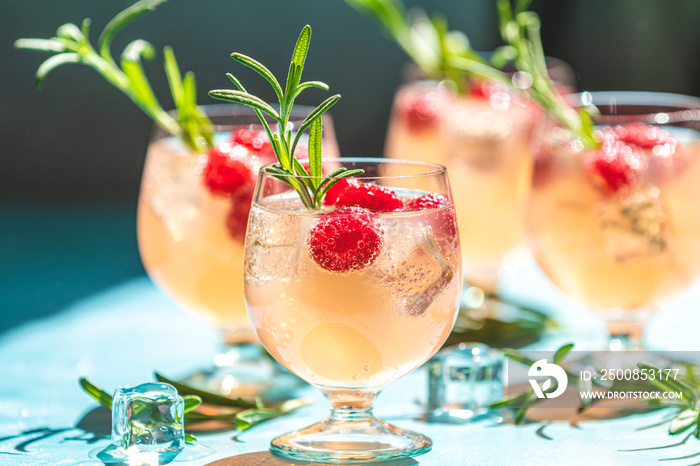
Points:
(520, 30)
(428, 41)
(688, 384)
(241, 414)
(311, 185)
(499, 322)
(72, 45)
(525, 400)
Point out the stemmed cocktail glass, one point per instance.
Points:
(617, 228)
(192, 217)
(351, 298)
(484, 137)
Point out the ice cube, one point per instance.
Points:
(463, 381)
(174, 188)
(275, 244)
(149, 418)
(479, 134)
(417, 278)
(634, 226)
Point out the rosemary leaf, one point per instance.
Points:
(562, 352)
(516, 356)
(683, 421)
(172, 72)
(122, 20)
(296, 65)
(41, 45)
(191, 402)
(315, 113)
(315, 166)
(102, 397)
(207, 397)
(261, 70)
(245, 99)
(54, 62)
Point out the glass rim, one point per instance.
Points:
(672, 108)
(437, 169)
(634, 98)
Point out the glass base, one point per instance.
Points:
(245, 371)
(363, 441)
(626, 331)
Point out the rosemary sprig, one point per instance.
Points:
(500, 323)
(525, 400)
(428, 42)
(241, 414)
(311, 185)
(520, 31)
(686, 383)
(72, 45)
(688, 407)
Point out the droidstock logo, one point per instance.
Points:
(542, 369)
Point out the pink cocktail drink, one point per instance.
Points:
(192, 218)
(330, 327)
(355, 295)
(484, 139)
(617, 228)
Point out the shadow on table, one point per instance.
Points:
(95, 426)
(265, 458)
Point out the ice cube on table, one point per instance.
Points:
(149, 418)
(463, 380)
(418, 280)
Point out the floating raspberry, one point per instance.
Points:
(614, 168)
(237, 219)
(335, 190)
(419, 108)
(345, 239)
(427, 202)
(224, 174)
(644, 136)
(369, 196)
(479, 90)
(446, 220)
(256, 141)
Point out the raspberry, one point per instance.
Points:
(345, 239)
(256, 141)
(446, 219)
(478, 90)
(335, 190)
(369, 196)
(614, 167)
(482, 89)
(644, 136)
(419, 108)
(224, 174)
(237, 219)
(427, 202)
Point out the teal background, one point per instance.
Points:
(71, 154)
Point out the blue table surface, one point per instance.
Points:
(124, 334)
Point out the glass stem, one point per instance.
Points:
(350, 405)
(351, 415)
(233, 353)
(625, 335)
